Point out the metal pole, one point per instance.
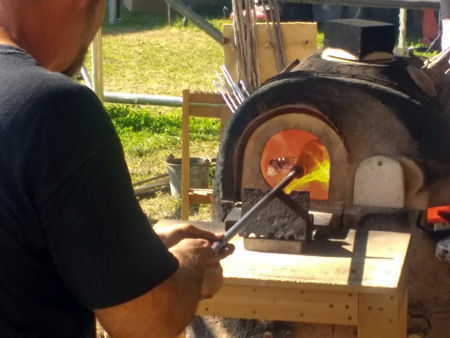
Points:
(112, 11)
(169, 19)
(157, 100)
(187, 12)
(402, 31)
(97, 65)
(410, 4)
(86, 77)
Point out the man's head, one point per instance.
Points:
(56, 33)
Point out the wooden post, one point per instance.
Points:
(97, 65)
(384, 315)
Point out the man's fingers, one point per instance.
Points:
(191, 231)
(226, 251)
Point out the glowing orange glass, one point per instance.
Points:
(440, 214)
(297, 147)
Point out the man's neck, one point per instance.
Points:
(5, 38)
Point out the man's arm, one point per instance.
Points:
(165, 310)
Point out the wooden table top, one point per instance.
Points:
(363, 261)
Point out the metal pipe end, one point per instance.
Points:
(299, 171)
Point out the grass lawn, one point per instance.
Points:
(142, 54)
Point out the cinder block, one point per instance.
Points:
(360, 37)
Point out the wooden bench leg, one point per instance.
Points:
(382, 316)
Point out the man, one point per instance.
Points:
(73, 239)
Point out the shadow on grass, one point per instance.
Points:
(131, 22)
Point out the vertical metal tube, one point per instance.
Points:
(97, 65)
(402, 30)
(112, 11)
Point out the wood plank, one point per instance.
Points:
(272, 303)
(199, 104)
(318, 288)
(212, 226)
(299, 42)
(206, 97)
(369, 262)
(379, 316)
(200, 196)
(206, 111)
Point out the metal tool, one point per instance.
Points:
(234, 94)
(296, 172)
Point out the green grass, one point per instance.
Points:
(142, 54)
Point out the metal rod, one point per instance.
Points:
(157, 177)
(86, 77)
(157, 100)
(112, 11)
(296, 172)
(402, 18)
(244, 88)
(234, 88)
(227, 92)
(203, 24)
(225, 98)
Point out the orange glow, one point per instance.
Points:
(435, 214)
(297, 147)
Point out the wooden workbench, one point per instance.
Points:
(359, 280)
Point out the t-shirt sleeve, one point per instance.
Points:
(100, 241)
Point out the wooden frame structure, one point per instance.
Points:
(199, 104)
(360, 280)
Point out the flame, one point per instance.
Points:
(297, 147)
(315, 162)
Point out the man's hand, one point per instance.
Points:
(166, 309)
(174, 235)
(196, 256)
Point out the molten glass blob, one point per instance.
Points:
(291, 147)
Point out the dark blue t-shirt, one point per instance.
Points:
(72, 235)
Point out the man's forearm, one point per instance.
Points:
(162, 312)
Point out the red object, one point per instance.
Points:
(259, 11)
(440, 214)
(429, 27)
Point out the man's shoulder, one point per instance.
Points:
(24, 81)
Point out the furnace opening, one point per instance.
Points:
(297, 147)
